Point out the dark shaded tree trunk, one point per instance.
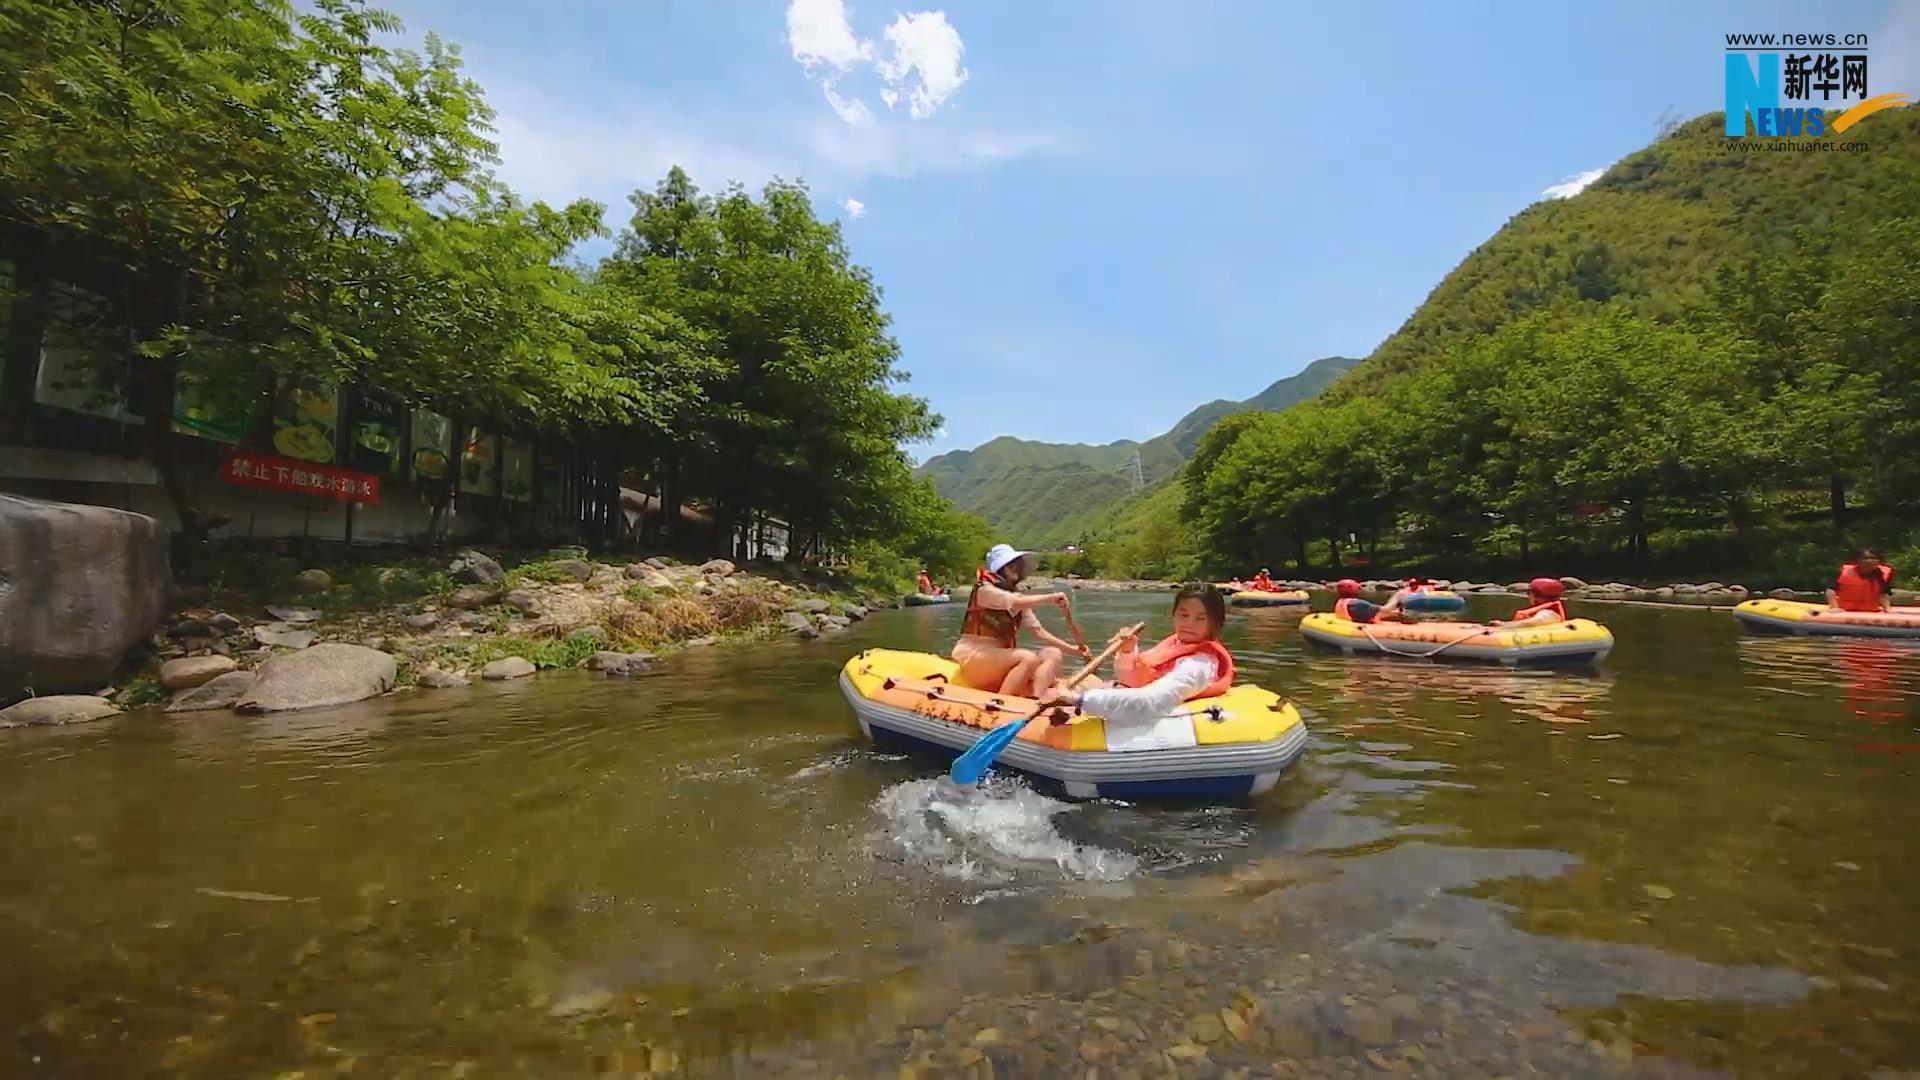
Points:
(26, 329)
(1837, 500)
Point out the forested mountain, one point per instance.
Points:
(1054, 493)
(1709, 358)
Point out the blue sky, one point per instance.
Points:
(1090, 217)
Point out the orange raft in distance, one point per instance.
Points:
(1210, 749)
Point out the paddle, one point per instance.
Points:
(969, 767)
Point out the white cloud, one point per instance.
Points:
(819, 34)
(1573, 185)
(902, 150)
(852, 110)
(855, 208)
(925, 45)
(921, 68)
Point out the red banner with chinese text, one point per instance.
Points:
(248, 469)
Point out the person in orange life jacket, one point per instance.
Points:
(1865, 584)
(924, 582)
(1543, 605)
(1190, 663)
(1414, 587)
(988, 656)
(1350, 607)
(1262, 582)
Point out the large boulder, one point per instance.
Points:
(718, 567)
(56, 709)
(327, 674)
(219, 693)
(473, 568)
(525, 601)
(576, 569)
(468, 597)
(191, 671)
(79, 586)
(508, 667)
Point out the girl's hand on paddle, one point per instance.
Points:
(1128, 639)
(1062, 601)
(1059, 698)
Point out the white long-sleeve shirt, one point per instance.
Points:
(1148, 703)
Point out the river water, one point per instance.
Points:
(1697, 861)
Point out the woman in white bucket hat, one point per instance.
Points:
(987, 652)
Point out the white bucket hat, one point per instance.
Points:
(999, 555)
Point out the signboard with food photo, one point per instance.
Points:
(480, 463)
(303, 422)
(432, 446)
(374, 443)
(516, 464)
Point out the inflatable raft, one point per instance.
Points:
(915, 599)
(1256, 598)
(1795, 617)
(1222, 748)
(1434, 600)
(1577, 641)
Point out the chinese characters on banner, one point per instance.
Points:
(286, 474)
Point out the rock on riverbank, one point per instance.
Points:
(79, 586)
(445, 625)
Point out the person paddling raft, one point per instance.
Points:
(1350, 607)
(1262, 582)
(1865, 584)
(1189, 663)
(923, 581)
(987, 652)
(1543, 605)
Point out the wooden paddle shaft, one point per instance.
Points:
(1081, 675)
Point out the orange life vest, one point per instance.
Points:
(1262, 583)
(1343, 607)
(1001, 626)
(1554, 606)
(1159, 660)
(1854, 591)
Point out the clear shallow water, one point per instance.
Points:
(1696, 861)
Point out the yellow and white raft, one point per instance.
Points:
(1796, 617)
(1576, 641)
(1209, 749)
(1256, 598)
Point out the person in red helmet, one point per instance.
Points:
(1348, 605)
(1543, 605)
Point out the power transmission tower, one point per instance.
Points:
(1133, 473)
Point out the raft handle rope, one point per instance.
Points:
(1383, 647)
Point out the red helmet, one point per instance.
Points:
(1548, 587)
(1346, 586)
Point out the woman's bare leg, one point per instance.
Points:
(992, 669)
(1020, 681)
(1047, 673)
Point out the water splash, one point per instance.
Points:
(994, 834)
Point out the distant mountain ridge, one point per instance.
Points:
(1042, 494)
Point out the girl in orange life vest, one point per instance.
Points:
(1543, 605)
(1190, 663)
(986, 651)
(1350, 607)
(1865, 584)
(1262, 582)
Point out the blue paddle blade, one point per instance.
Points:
(969, 767)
